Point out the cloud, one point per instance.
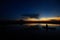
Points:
(34, 15)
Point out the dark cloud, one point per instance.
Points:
(34, 15)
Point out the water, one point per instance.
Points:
(30, 29)
(35, 31)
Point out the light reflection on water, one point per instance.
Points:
(43, 25)
(51, 27)
(33, 27)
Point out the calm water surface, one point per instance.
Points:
(35, 27)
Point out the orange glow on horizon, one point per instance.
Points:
(31, 19)
(42, 19)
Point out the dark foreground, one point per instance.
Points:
(21, 32)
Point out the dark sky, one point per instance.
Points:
(14, 9)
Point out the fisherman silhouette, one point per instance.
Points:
(46, 27)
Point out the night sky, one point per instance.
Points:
(15, 9)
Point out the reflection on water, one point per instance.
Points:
(45, 27)
(33, 27)
(50, 25)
